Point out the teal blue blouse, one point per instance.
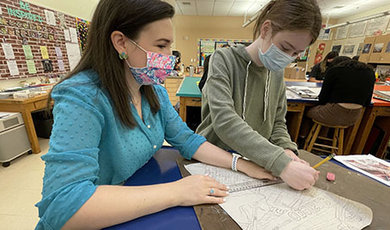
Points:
(90, 147)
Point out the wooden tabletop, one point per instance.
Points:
(348, 184)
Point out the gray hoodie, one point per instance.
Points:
(244, 108)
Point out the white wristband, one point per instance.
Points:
(234, 161)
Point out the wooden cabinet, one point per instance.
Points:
(172, 85)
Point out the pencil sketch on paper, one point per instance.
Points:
(280, 207)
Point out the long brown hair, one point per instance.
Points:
(291, 15)
(128, 17)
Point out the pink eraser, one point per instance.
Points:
(330, 176)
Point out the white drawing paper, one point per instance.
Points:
(281, 207)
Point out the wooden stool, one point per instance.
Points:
(337, 141)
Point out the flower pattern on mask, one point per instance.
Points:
(159, 66)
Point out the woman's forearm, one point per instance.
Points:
(111, 205)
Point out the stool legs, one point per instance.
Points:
(337, 146)
(308, 138)
(340, 140)
(314, 138)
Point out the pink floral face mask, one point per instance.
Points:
(158, 67)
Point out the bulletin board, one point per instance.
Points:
(38, 42)
(207, 46)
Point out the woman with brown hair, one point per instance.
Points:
(317, 73)
(244, 98)
(111, 116)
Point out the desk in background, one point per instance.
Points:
(163, 168)
(381, 111)
(26, 107)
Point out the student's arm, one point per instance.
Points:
(213, 155)
(279, 135)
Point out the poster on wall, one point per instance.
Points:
(73, 35)
(319, 53)
(50, 17)
(8, 51)
(348, 50)
(207, 46)
(82, 29)
(219, 45)
(304, 55)
(31, 66)
(67, 35)
(27, 52)
(58, 52)
(341, 32)
(360, 49)
(357, 29)
(61, 65)
(388, 48)
(74, 55)
(377, 26)
(366, 48)
(44, 53)
(324, 34)
(336, 48)
(13, 68)
(378, 48)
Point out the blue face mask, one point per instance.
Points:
(274, 59)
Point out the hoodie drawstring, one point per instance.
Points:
(266, 95)
(246, 85)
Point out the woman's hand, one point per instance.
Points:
(253, 170)
(199, 189)
(299, 176)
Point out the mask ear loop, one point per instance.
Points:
(140, 49)
(138, 46)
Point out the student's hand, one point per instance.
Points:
(253, 170)
(299, 176)
(199, 189)
(293, 156)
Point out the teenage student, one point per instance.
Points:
(347, 87)
(244, 99)
(110, 118)
(317, 73)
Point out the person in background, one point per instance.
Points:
(206, 69)
(244, 98)
(178, 65)
(318, 71)
(348, 86)
(110, 118)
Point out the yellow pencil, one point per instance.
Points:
(323, 161)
